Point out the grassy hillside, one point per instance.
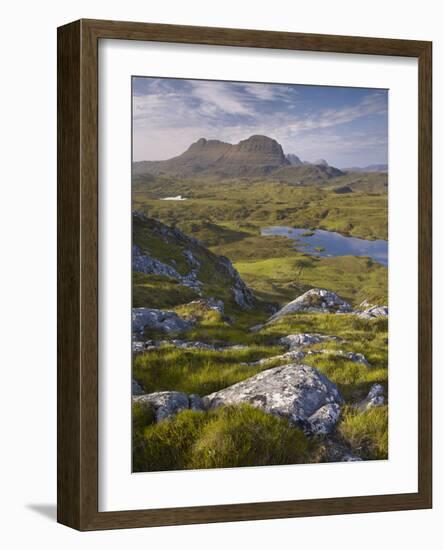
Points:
(247, 205)
(226, 219)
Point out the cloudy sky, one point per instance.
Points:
(346, 126)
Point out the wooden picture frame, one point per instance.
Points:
(78, 274)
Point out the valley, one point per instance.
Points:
(226, 318)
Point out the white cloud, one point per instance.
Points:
(168, 118)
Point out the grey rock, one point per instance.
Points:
(242, 294)
(286, 357)
(209, 304)
(375, 398)
(144, 263)
(350, 355)
(337, 452)
(296, 392)
(374, 312)
(316, 300)
(196, 403)
(323, 421)
(158, 320)
(148, 345)
(191, 259)
(136, 388)
(164, 403)
(302, 339)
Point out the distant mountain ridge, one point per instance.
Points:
(255, 156)
(369, 168)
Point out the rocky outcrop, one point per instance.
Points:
(375, 398)
(144, 318)
(298, 355)
(190, 262)
(166, 404)
(296, 341)
(144, 263)
(297, 392)
(316, 300)
(139, 346)
(242, 294)
(373, 312)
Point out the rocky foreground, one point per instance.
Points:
(286, 387)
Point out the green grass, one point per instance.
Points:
(360, 336)
(281, 279)
(223, 438)
(227, 217)
(157, 291)
(254, 203)
(197, 371)
(366, 433)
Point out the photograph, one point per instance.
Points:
(259, 274)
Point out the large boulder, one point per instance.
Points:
(157, 320)
(297, 392)
(316, 300)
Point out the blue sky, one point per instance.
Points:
(346, 126)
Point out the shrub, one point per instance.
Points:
(366, 433)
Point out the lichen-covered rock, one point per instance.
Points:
(350, 355)
(164, 403)
(157, 320)
(302, 339)
(316, 300)
(375, 398)
(296, 392)
(149, 345)
(323, 421)
(374, 312)
(145, 263)
(136, 388)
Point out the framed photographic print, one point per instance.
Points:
(244, 280)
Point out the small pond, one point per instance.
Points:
(328, 243)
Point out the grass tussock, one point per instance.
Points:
(227, 437)
(366, 433)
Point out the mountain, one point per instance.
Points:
(306, 174)
(369, 168)
(255, 156)
(171, 268)
(294, 160)
(321, 162)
